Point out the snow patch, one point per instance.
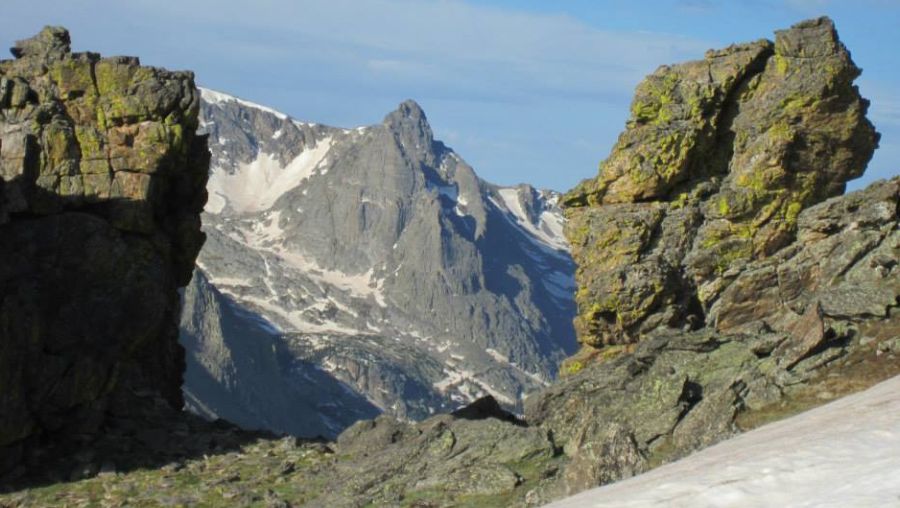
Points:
(256, 186)
(503, 359)
(548, 230)
(846, 453)
(267, 236)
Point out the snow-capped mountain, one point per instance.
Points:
(378, 256)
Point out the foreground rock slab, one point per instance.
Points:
(852, 443)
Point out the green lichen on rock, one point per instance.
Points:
(101, 185)
(732, 148)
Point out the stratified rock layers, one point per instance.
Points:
(102, 180)
(716, 163)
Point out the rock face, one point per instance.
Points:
(812, 321)
(101, 185)
(379, 256)
(717, 161)
(239, 368)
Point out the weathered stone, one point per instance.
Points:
(91, 257)
(602, 456)
(723, 154)
(707, 217)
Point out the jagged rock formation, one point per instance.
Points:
(101, 185)
(379, 256)
(717, 161)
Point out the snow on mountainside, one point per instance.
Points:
(843, 454)
(377, 254)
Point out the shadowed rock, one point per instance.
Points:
(101, 185)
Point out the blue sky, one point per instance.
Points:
(524, 90)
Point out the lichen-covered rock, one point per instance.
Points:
(721, 282)
(478, 454)
(719, 158)
(815, 320)
(101, 185)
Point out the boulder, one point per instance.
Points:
(718, 160)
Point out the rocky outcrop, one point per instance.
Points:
(714, 294)
(101, 185)
(719, 158)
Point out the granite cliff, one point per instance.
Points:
(376, 260)
(102, 180)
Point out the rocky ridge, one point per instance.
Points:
(101, 185)
(377, 261)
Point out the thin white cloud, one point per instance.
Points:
(462, 48)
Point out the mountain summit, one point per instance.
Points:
(375, 255)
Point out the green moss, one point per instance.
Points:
(90, 142)
(725, 258)
(58, 145)
(101, 119)
(781, 131)
(794, 106)
(680, 201)
(644, 112)
(659, 95)
(792, 212)
(724, 207)
(72, 76)
(781, 64)
(571, 368)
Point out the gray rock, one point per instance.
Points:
(377, 255)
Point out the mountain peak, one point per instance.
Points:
(410, 109)
(409, 119)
